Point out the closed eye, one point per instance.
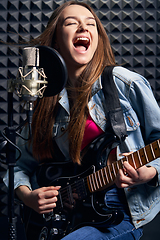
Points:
(91, 24)
(71, 23)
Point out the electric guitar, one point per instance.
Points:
(81, 198)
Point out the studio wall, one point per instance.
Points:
(133, 27)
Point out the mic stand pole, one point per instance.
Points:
(10, 132)
(11, 161)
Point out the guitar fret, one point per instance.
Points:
(145, 153)
(114, 170)
(110, 173)
(156, 147)
(139, 157)
(134, 163)
(96, 180)
(133, 160)
(103, 177)
(126, 157)
(121, 161)
(117, 165)
(90, 183)
(93, 182)
(151, 147)
(106, 174)
(100, 178)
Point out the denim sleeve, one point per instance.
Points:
(145, 105)
(25, 166)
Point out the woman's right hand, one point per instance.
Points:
(41, 200)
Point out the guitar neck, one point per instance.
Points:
(105, 177)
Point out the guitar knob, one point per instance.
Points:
(48, 216)
(54, 231)
(43, 234)
(57, 217)
(63, 217)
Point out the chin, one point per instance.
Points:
(83, 61)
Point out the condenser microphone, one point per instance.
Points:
(30, 82)
(33, 78)
(43, 73)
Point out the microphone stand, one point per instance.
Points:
(23, 88)
(10, 135)
(55, 68)
(11, 161)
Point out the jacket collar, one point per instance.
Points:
(97, 85)
(63, 96)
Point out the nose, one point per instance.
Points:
(82, 27)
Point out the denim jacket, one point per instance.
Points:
(142, 119)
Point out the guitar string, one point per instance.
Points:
(65, 192)
(109, 172)
(78, 184)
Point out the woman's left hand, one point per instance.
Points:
(128, 176)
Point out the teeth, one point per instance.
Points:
(82, 39)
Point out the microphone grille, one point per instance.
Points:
(30, 56)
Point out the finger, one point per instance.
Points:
(123, 179)
(50, 200)
(126, 154)
(57, 187)
(130, 170)
(47, 209)
(47, 204)
(49, 192)
(51, 188)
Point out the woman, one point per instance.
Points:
(70, 121)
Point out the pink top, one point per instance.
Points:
(91, 132)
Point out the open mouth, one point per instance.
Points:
(81, 43)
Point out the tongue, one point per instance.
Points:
(81, 48)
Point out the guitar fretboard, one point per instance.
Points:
(105, 177)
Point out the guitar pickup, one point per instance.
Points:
(70, 195)
(81, 189)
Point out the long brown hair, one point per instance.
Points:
(44, 115)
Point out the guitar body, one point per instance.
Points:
(81, 197)
(76, 205)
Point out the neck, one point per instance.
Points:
(73, 74)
